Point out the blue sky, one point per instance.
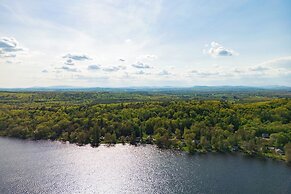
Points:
(145, 43)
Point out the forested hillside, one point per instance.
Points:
(256, 128)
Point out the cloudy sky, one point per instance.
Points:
(121, 43)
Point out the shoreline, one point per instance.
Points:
(183, 150)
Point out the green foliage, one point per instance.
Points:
(94, 136)
(193, 125)
(288, 152)
(279, 139)
(110, 138)
(189, 136)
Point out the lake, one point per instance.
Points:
(53, 167)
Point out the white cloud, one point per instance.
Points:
(66, 68)
(217, 50)
(92, 79)
(111, 69)
(9, 46)
(282, 62)
(93, 67)
(204, 73)
(141, 72)
(258, 68)
(164, 72)
(140, 65)
(121, 67)
(272, 70)
(77, 57)
(69, 62)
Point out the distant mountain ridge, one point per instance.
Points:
(150, 88)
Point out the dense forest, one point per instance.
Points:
(261, 126)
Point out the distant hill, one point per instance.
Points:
(152, 89)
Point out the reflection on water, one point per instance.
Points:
(53, 167)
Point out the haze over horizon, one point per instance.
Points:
(144, 43)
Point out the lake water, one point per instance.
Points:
(53, 167)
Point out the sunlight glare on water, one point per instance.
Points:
(54, 167)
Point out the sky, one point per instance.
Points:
(135, 43)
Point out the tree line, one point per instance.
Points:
(257, 128)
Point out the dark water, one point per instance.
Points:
(53, 167)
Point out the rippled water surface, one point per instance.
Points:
(53, 167)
